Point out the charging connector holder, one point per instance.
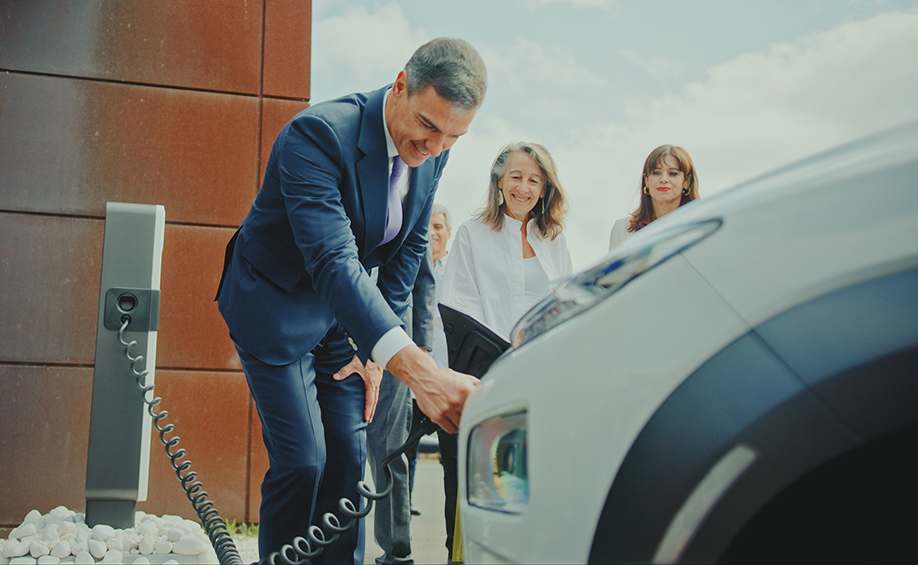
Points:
(140, 306)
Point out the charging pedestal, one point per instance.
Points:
(118, 461)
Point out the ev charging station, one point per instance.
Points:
(118, 461)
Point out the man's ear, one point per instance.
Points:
(401, 83)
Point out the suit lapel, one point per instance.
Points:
(372, 170)
(418, 191)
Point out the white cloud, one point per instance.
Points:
(529, 66)
(365, 42)
(751, 114)
(763, 109)
(661, 68)
(533, 4)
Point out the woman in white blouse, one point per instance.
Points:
(502, 261)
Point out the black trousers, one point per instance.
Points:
(449, 459)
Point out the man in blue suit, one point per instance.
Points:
(297, 293)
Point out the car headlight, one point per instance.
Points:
(496, 464)
(587, 289)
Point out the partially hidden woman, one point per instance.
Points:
(502, 261)
(669, 181)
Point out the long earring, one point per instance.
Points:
(543, 205)
(500, 198)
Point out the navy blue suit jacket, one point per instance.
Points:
(300, 261)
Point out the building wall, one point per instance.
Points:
(173, 103)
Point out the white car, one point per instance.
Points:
(738, 382)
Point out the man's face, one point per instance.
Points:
(422, 125)
(439, 235)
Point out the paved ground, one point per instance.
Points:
(428, 531)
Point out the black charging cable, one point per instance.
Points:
(301, 549)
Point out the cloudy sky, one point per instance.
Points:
(744, 87)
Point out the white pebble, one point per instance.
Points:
(97, 548)
(67, 528)
(102, 533)
(62, 512)
(147, 528)
(61, 549)
(144, 561)
(38, 549)
(84, 558)
(188, 545)
(50, 534)
(79, 547)
(147, 545)
(25, 530)
(113, 556)
(174, 534)
(14, 548)
(25, 560)
(33, 517)
(162, 547)
(209, 557)
(49, 560)
(171, 562)
(51, 520)
(114, 544)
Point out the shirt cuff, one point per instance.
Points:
(389, 344)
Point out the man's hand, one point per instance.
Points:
(440, 392)
(371, 375)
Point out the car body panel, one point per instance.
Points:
(618, 408)
(597, 383)
(753, 397)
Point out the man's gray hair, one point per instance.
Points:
(441, 209)
(453, 68)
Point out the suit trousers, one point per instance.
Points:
(387, 432)
(314, 431)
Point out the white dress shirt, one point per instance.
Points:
(485, 276)
(397, 338)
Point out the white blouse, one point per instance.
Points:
(619, 232)
(485, 277)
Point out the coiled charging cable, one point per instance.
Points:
(301, 549)
(213, 524)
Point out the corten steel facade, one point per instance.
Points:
(173, 103)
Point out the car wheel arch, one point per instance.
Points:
(754, 397)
